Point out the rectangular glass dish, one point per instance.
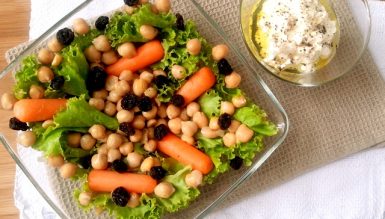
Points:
(58, 192)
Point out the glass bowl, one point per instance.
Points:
(58, 192)
(355, 25)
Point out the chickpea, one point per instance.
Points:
(114, 140)
(146, 76)
(134, 200)
(102, 94)
(134, 160)
(234, 126)
(122, 88)
(154, 9)
(104, 140)
(227, 107)
(161, 121)
(114, 96)
(188, 139)
(45, 74)
(148, 163)
(36, 92)
(150, 92)
(162, 111)
(150, 146)
(151, 123)
(172, 111)
(244, 134)
(139, 122)
(54, 45)
(194, 46)
(126, 148)
(137, 136)
(87, 142)
(209, 133)
(189, 128)
(233, 80)
(150, 114)
(45, 56)
(80, 26)
(127, 50)
(57, 59)
(109, 57)
(68, 170)
(97, 103)
(192, 108)
(164, 190)
(127, 75)
(193, 179)
(150, 132)
(239, 101)
(47, 123)
(129, 9)
(102, 149)
(163, 6)
(113, 154)
(8, 100)
(219, 52)
(148, 32)
(159, 72)
(101, 43)
(139, 86)
(214, 125)
(92, 54)
(85, 198)
(73, 139)
(229, 139)
(27, 138)
(143, 2)
(178, 72)
(55, 160)
(111, 82)
(175, 125)
(125, 116)
(119, 105)
(99, 161)
(200, 119)
(97, 131)
(110, 108)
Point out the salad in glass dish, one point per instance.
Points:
(139, 108)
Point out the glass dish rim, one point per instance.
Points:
(362, 51)
(251, 170)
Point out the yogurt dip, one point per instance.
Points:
(296, 35)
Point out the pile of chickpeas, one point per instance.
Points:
(184, 122)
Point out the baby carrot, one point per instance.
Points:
(35, 110)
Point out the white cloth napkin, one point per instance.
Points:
(351, 188)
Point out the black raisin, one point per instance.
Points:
(96, 79)
(16, 124)
(85, 162)
(101, 22)
(177, 100)
(127, 128)
(179, 22)
(57, 82)
(145, 104)
(131, 2)
(65, 36)
(236, 163)
(224, 67)
(119, 166)
(157, 172)
(129, 101)
(224, 121)
(161, 81)
(120, 196)
(160, 132)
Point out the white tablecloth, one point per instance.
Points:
(350, 188)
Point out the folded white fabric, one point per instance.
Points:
(350, 188)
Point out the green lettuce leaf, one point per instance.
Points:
(81, 115)
(219, 154)
(74, 68)
(125, 28)
(84, 41)
(247, 151)
(182, 196)
(26, 77)
(210, 103)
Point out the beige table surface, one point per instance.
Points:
(14, 22)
